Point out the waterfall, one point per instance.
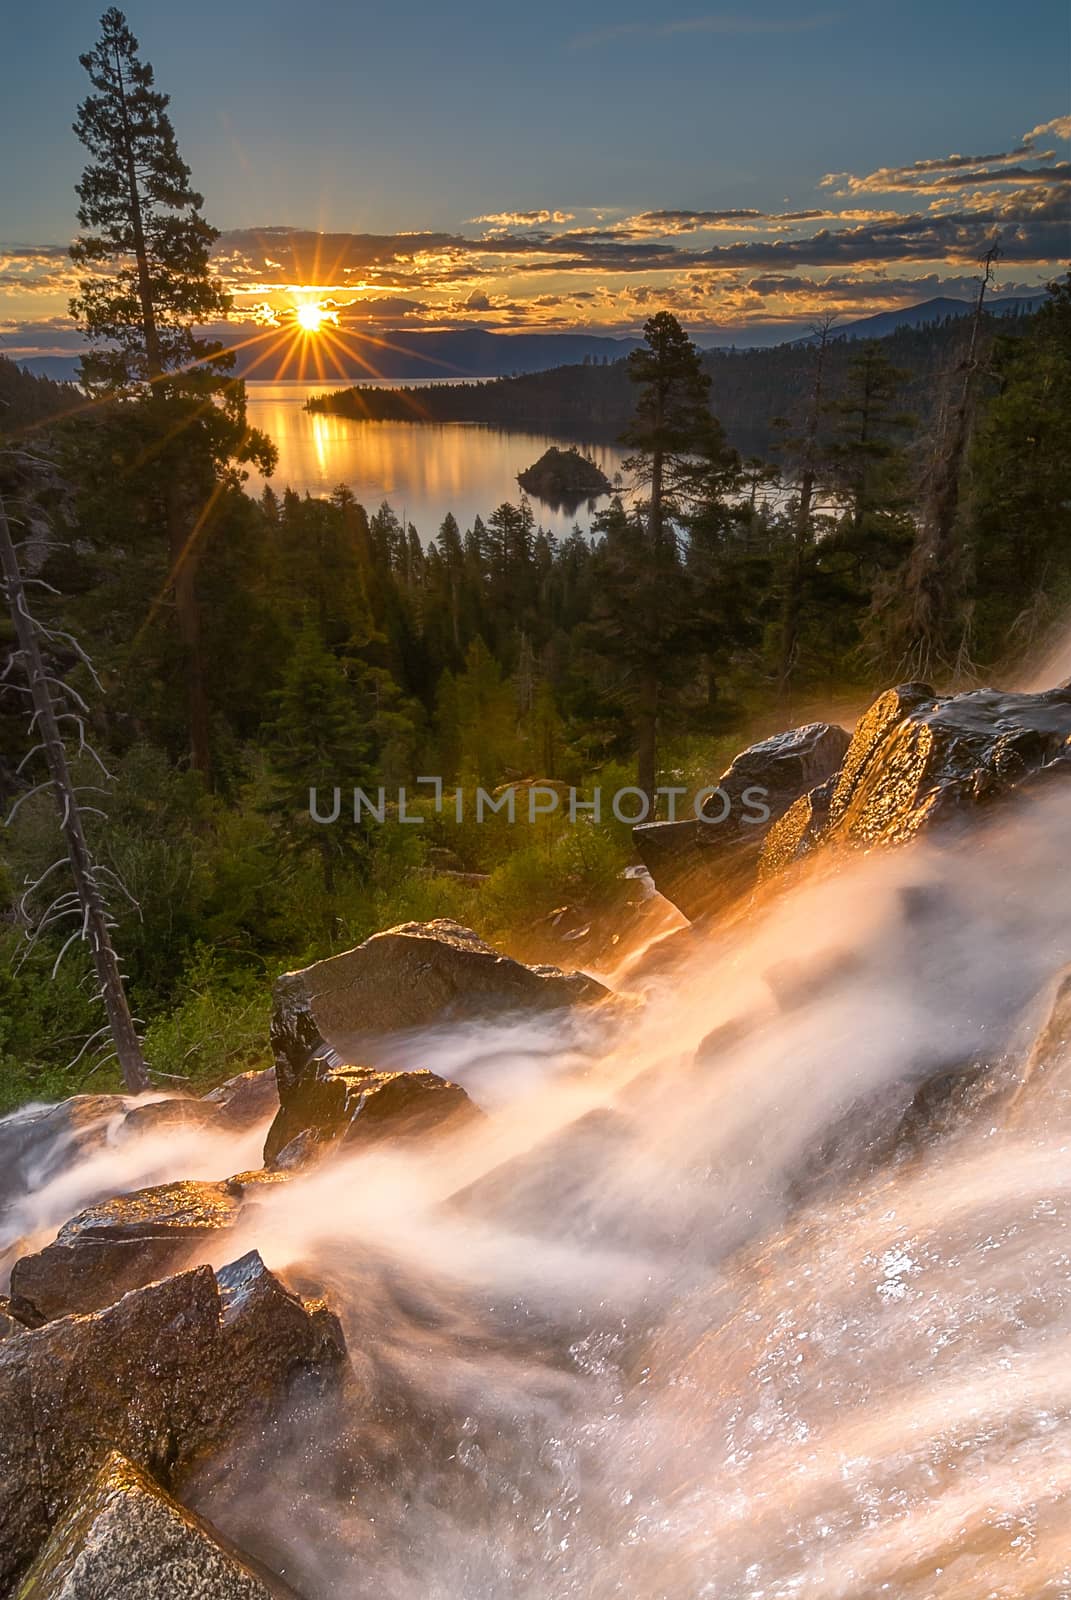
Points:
(715, 1303)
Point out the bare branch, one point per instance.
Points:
(45, 724)
(26, 795)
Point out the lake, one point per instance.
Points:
(424, 469)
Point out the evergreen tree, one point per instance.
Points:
(319, 566)
(1018, 516)
(452, 553)
(678, 456)
(486, 713)
(673, 435)
(806, 454)
(644, 626)
(316, 741)
(934, 631)
(867, 461)
(137, 199)
(512, 587)
(146, 291)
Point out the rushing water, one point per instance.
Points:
(717, 1336)
(423, 469)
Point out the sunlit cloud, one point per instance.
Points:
(958, 171)
(888, 181)
(903, 233)
(36, 269)
(663, 224)
(524, 219)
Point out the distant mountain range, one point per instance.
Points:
(750, 388)
(60, 368)
(409, 356)
(928, 311)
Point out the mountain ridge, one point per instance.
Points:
(406, 356)
(882, 323)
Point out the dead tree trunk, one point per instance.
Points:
(803, 531)
(931, 573)
(95, 924)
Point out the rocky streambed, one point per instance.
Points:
(391, 1334)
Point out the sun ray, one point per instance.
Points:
(184, 555)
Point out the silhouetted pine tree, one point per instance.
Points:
(147, 287)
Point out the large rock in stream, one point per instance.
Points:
(328, 1019)
(125, 1538)
(361, 1106)
(701, 865)
(40, 1143)
(919, 760)
(410, 977)
(124, 1243)
(167, 1376)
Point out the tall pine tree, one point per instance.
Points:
(146, 292)
(678, 457)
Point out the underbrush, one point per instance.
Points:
(223, 906)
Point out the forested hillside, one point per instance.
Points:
(181, 663)
(750, 389)
(334, 645)
(26, 399)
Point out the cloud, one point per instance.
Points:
(1057, 128)
(518, 267)
(955, 237)
(873, 289)
(931, 175)
(433, 267)
(36, 269)
(41, 336)
(524, 219)
(888, 180)
(289, 256)
(668, 223)
(724, 23)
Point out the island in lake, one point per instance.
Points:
(564, 477)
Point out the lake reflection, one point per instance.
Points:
(424, 469)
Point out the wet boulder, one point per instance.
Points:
(1045, 1069)
(798, 832)
(130, 1240)
(704, 862)
(9, 1322)
(38, 1143)
(244, 1101)
(165, 1113)
(125, 1536)
(413, 976)
(918, 760)
(269, 1336)
(119, 1245)
(233, 1107)
(168, 1376)
(943, 758)
(360, 1106)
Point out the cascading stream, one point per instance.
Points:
(744, 1318)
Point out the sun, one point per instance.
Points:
(311, 317)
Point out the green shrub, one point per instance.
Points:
(219, 1028)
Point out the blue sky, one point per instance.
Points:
(381, 120)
